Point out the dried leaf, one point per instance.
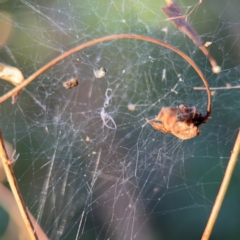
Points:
(12, 75)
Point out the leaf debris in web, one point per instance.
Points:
(70, 83)
(131, 107)
(99, 73)
(12, 75)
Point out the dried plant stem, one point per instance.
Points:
(175, 14)
(15, 190)
(108, 38)
(216, 88)
(222, 191)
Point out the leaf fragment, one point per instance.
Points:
(12, 75)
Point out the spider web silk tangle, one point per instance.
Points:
(89, 167)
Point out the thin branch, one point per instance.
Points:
(104, 39)
(15, 190)
(222, 191)
(217, 88)
(175, 14)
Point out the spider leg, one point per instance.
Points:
(157, 126)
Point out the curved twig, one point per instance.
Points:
(108, 38)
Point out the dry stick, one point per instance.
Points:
(6, 162)
(108, 38)
(222, 191)
(217, 88)
(174, 12)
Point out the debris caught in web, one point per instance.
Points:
(70, 83)
(12, 75)
(99, 73)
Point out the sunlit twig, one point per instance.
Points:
(15, 190)
(222, 191)
(217, 88)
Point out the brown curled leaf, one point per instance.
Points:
(12, 75)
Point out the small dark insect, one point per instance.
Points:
(183, 121)
(70, 83)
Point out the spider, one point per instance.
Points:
(182, 121)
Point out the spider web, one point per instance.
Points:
(89, 166)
